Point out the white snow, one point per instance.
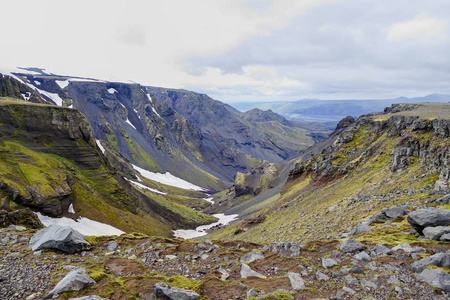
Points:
(54, 97)
(71, 210)
(128, 121)
(26, 96)
(168, 179)
(85, 80)
(201, 230)
(37, 82)
(82, 225)
(112, 91)
(140, 185)
(100, 146)
(209, 199)
(154, 110)
(149, 97)
(62, 83)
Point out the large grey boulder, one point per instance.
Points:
(329, 262)
(296, 280)
(251, 257)
(166, 291)
(246, 271)
(438, 259)
(62, 238)
(75, 280)
(361, 228)
(436, 278)
(390, 213)
(428, 217)
(435, 233)
(285, 248)
(350, 246)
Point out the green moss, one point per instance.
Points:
(184, 282)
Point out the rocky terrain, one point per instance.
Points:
(375, 265)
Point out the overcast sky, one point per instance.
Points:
(239, 50)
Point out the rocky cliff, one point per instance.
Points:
(398, 157)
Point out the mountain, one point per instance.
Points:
(163, 130)
(395, 158)
(333, 110)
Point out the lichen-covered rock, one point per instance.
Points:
(436, 278)
(246, 271)
(296, 280)
(350, 246)
(435, 233)
(62, 238)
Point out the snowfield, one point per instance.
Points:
(168, 179)
(82, 225)
(128, 121)
(112, 91)
(140, 185)
(201, 230)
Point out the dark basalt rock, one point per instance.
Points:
(428, 217)
(62, 238)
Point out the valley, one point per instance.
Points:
(172, 187)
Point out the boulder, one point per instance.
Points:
(251, 257)
(75, 280)
(362, 256)
(252, 293)
(62, 238)
(296, 280)
(444, 200)
(445, 237)
(438, 259)
(166, 291)
(322, 277)
(112, 246)
(436, 278)
(284, 248)
(350, 246)
(428, 217)
(246, 271)
(435, 233)
(390, 213)
(407, 248)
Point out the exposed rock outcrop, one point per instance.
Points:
(62, 238)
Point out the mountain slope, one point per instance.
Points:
(399, 157)
(163, 130)
(49, 160)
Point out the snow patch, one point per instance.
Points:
(140, 185)
(62, 83)
(82, 225)
(154, 110)
(71, 210)
(37, 82)
(85, 80)
(149, 97)
(26, 96)
(100, 146)
(209, 199)
(201, 230)
(128, 121)
(112, 91)
(168, 179)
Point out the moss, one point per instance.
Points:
(279, 295)
(184, 282)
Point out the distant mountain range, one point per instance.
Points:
(332, 110)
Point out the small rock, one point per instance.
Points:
(131, 257)
(170, 257)
(75, 280)
(351, 280)
(252, 293)
(174, 293)
(321, 276)
(112, 246)
(297, 282)
(438, 259)
(381, 249)
(407, 248)
(361, 228)
(350, 246)
(225, 273)
(436, 278)
(368, 284)
(329, 262)
(246, 271)
(362, 256)
(284, 248)
(204, 256)
(251, 257)
(348, 290)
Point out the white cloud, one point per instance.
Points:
(419, 27)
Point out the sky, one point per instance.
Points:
(239, 50)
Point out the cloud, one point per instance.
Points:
(419, 27)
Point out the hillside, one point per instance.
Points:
(399, 157)
(49, 161)
(162, 130)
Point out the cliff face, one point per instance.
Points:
(49, 160)
(399, 157)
